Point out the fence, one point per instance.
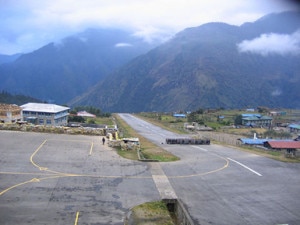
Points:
(229, 139)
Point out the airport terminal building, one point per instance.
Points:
(45, 114)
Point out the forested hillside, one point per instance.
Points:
(18, 99)
(60, 71)
(211, 66)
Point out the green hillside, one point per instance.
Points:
(203, 67)
(18, 99)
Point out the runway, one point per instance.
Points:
(222, 185)
(74, 179)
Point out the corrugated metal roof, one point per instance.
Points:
(295, 126)
(42, 107)
(85, 114)
(251, 118)
(266, 118)
(284, 144)
(179, 115)
(251, 141)
(251, 115)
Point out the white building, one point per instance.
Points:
(45, 114)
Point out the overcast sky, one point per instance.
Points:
(27, 25)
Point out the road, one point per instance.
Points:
(223, 185)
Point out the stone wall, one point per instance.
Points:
(53, 129)
(177, 208)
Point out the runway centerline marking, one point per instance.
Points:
(246, 167)
(203, 149)
(91, 149)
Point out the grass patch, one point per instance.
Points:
(157, 154)
(151, 213)
(149, 149)
(103, 120)
(127, 154)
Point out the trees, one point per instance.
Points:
(195, 116)
(74, 118)
(238, 120)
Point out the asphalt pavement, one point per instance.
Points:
(68, 179)
(223, 185)
(74, 179)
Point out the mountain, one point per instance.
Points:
(61, 71)
(8, 58)
(8, 98)
(210, 66)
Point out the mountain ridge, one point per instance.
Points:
(203, 67)
(210, 66)
(60, 71)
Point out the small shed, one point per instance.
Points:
(283, 144)
(294, 128)
(85, 114)
(252, 141)
(291, 146)
(178, 115)
(128, 144)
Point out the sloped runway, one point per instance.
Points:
(222, 185)
(66, 179)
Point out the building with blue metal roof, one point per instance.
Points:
(294, 128)
(256, 120)
(178, 115)
(252, 141)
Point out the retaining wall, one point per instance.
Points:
(176, 207)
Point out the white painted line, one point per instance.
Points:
(253, 171)
(203, 149)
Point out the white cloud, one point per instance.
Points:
(51, 20)
(122, 45)
(150, 33)
(266, 44)
(276, 93)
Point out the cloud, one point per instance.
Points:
(267, 44)
(29, 24)
(276, 93)
(122, 45)
(150, 33)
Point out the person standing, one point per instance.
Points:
(103, 140)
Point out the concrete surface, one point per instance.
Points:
(66, 179)
(222, 185)
(69, 179)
